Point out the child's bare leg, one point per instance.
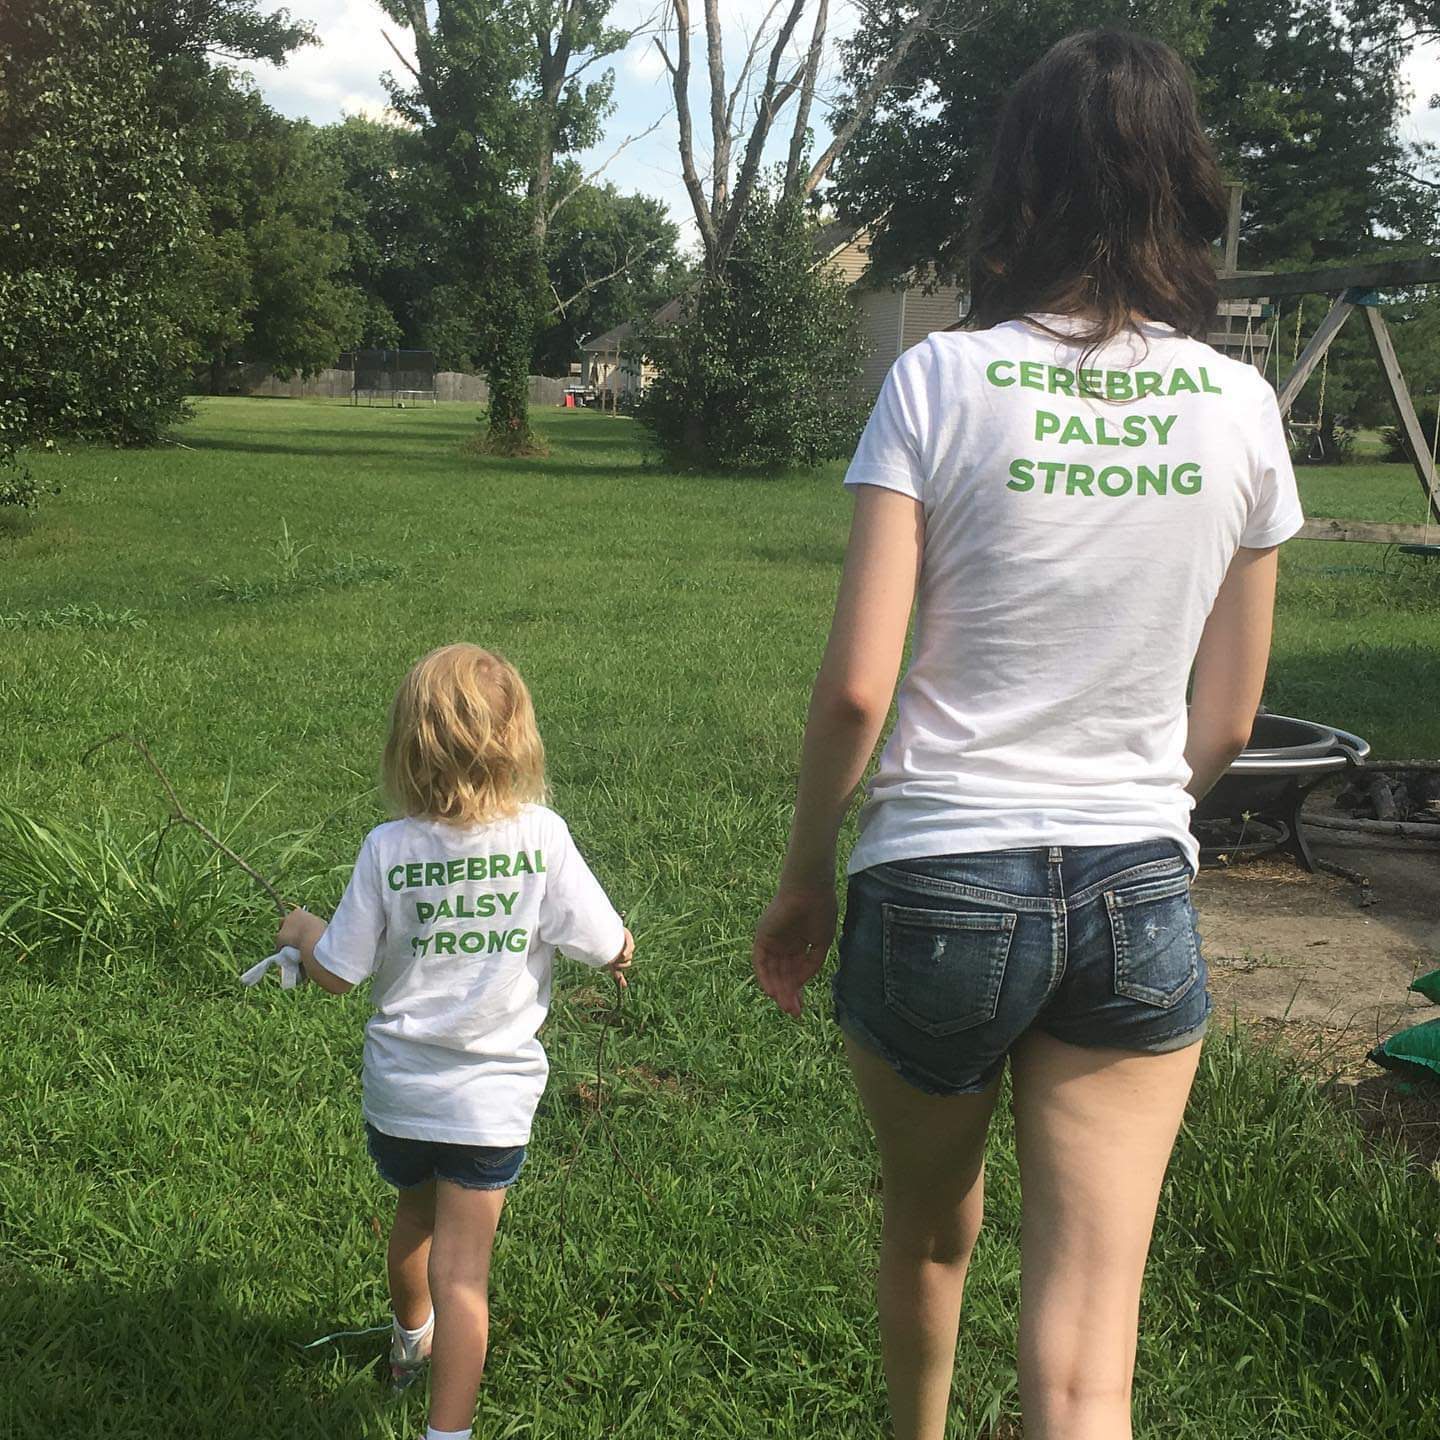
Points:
(408, 1259)
(465, 1222)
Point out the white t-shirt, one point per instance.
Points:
(1074, 547)
(458, 925)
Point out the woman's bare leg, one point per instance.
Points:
(932, 1158)
(1094, 1130)
(408, 1258)
(465, 1222)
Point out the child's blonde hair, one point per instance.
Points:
(463, 745)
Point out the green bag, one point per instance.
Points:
(1414, 1052)
(1429, 986)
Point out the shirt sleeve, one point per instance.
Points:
(576, 915)
(1275, 513)
(350, 946)
(891, 451)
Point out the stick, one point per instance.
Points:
(1400, 828)
(1419, 767)
(179, 815)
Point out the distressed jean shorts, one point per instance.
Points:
(946, 961)
(406, 1163)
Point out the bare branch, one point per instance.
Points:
(180, 816)
(605, 164)
(756, 41)
(869, 97)
(679, 70)
(719, 120)
(770, 102)
(399, 55)
(807, 99)
(631, 258)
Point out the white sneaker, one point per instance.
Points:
(408, 1359)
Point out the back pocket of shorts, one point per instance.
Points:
(1153, 926)
(944, 969)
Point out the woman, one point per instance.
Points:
(1081, 501)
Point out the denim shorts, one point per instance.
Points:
(407, 1163)
(945, 962)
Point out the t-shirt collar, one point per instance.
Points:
(1067, 324)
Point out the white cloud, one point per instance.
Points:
(341, 75)
(1422, 74)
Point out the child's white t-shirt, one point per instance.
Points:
(457, 927)
(1074, 548)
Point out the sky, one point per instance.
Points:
(341, 76)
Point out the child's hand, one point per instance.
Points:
(298, 929)
(621, 963)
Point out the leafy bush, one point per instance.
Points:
(1334, 444)
(760, 370)
(1396, 450)
(18, 487)
(98, 219)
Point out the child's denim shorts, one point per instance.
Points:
(407, 1163)
(945, 962)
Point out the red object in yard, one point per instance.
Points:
(569, 399)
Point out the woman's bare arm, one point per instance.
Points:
(848, 706)
(1230, 667)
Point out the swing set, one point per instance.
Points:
(1355, 288)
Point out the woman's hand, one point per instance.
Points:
(792, 941)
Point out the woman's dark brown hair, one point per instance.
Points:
(1103, 196)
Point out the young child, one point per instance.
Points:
(454, 912)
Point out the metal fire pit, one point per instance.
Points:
(1265, 788)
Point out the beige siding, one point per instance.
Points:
(926, 313)
(850, 260)
(880, 329)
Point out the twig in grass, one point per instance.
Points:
(179, 815)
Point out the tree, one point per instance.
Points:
(263, 279)
(720, 209)
(267, 281)
(610, 258)
(920, 155)
(98, 218)
(760, 372)
(1303, 101)
(388, 224)
(499, 91)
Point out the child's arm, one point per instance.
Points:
(337, 956)
(576, 915)
(621, 963)
(303, 931)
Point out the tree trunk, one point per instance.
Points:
(217, 375)
(509, 431)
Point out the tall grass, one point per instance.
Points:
(107, 894)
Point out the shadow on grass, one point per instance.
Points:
(172, 1361)
(1404, 1112)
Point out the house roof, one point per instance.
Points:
(610, 339)
(614, 338)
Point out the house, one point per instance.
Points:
(892, 317)
(611, 363)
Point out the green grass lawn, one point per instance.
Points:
(184, 1194)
